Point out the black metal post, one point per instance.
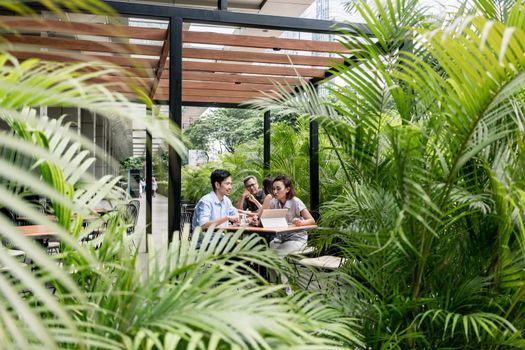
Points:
(314, 166)
(149, 189)
(222, 5)
(175, 164)
(266, 143)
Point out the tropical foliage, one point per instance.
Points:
(289, 155)
(131, 163)
(428, 121)
(99, 292)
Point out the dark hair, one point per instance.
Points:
(267, 185)
(248, 178)
(287, 182)
(218, 175)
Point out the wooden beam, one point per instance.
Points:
(241, 56)
(22, 24)
(237, 100)
(220, 93)
(236, 78)
(142, 82)
(262, 42)
(135, 73)
(161, 65)
(123, 87)
(84, 45)
(191, 84)
(120, 61)
(252, 69)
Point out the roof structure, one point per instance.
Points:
(216, 68)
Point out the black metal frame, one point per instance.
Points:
(178, 15)
(240, 19)
(267, 150)
(149, 189)
(222, 5)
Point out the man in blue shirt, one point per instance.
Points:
(216, 208)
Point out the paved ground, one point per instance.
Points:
(159, 218)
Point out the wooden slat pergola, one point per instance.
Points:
(216, 68)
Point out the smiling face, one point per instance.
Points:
(252, 186)
(224, 188)
(280, 191)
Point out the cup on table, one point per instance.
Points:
(243, 221)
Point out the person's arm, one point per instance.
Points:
(265, 205)
(254, 200)
(233, 214)
(221, 221)
(204, 212)
(240, 202)
(307, 219)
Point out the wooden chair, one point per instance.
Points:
(325, 262)
(186, 215)
(131, 215)
(53, 248)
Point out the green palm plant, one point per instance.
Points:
(429, 128)
(104, 294)
(289, 155)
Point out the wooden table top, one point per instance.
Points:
(52, 217)
(275, 230)
(37, 231)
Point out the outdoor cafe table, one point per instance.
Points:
(39, 232)
(52, 217)
(266, 233)
(273, 231)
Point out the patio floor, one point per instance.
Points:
(159, 219)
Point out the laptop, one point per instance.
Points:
(273, 218)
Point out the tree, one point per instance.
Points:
(230, 128)
(131, 163)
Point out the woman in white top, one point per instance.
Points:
(298, 215)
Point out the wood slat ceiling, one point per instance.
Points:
(228, 69)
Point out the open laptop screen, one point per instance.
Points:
(272, 218)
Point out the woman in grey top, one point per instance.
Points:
(298, 214)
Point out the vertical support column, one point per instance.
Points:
(175, 103)
(95, 143)
(222, 5)
(79, 121)
(149, 189)
(314, 166)
(266, 129)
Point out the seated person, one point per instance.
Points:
(298, 215)
(216, 208)
(252, 197)
(267, 189)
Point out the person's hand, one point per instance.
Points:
(245, 194)
(233, 219)
(297, 222)
(253, 220)
(251, 198)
